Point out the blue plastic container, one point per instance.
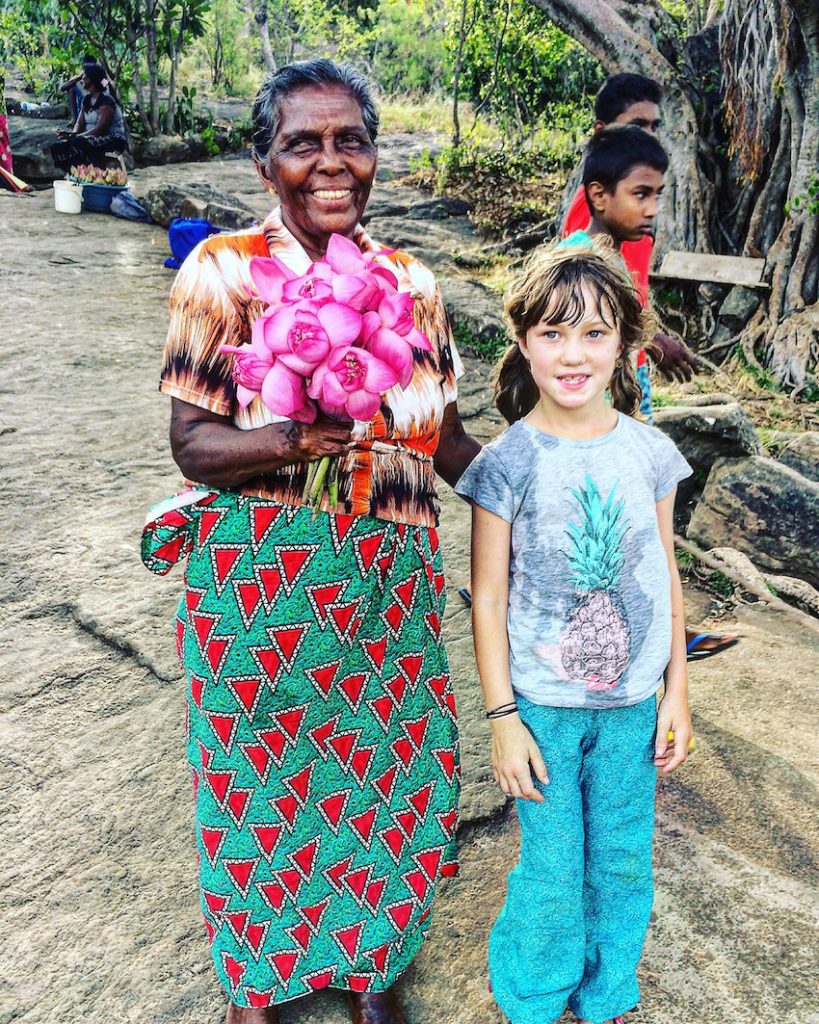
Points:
(97, 198)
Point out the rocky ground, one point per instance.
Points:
(98, 878)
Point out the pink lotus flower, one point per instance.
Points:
(350, 383)
(312, 286)
(396, 315)
(284, 392)
(249, 371)
(391, 334)
(302, 335)
(270, 276)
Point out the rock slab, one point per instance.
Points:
(802, 454)
(197, 199)
(764, 509)
(705, 434)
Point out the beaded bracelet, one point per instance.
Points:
(503, 710)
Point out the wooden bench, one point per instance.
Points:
(701, 266)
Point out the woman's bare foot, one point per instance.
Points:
(375, 1008)
(244, 1015)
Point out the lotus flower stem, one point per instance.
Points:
(332, 488)
(317, 487)
(311, 472)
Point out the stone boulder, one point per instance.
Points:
(706, 433)
(738, 307)
(31, 142)
(169, 149)
(764, 509)
(227, 217)
(198, 200)
(438, 208)
(802, 454)
(473, 308)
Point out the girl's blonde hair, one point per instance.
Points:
(550, 286)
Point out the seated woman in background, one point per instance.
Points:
(100, 127)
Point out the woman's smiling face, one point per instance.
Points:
(321, 163)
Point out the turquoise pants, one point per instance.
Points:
(579, 900)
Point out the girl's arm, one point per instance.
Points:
(673, 715)
(513, 747)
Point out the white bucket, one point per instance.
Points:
(67, 197)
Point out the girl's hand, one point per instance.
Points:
(513, 752)
(673, 717)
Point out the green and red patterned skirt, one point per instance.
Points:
(322, 738)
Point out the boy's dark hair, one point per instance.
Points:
(613, 153)
(619, 92)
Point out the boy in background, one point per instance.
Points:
(633, 100)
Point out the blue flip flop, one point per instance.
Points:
(694, 654)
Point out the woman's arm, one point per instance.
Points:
(456, 449)
(513, 748)
(673, 715)
(209, 449)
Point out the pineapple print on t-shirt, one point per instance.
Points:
(594, 646)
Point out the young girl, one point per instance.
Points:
(578, 618)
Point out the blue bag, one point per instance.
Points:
(184, 235)
(125, 205)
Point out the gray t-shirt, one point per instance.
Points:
(589, 592)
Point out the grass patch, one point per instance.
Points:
(489, 348)
(509, 189)
(685, 560)
(427, 115)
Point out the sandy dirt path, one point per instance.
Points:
(98, 877)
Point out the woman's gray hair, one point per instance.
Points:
(298, 75)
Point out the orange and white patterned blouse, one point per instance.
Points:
(389, 473)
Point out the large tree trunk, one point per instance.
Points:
(151, 59)
(260, 17)
(770, 53)
(767, 70)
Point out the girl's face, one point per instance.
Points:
(573, 363)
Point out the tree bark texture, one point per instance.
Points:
(741, 126)
(261, 19)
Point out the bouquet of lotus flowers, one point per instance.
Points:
(334, 339)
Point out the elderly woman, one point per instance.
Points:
(99, 129)
(322, 730)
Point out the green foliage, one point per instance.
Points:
(761, 378)
(240, 133)
(721, 584)
(805, 203)
(685, 560)
(479, 163)
(406, 46)
(487, 346)
(20, 45)
(518, 66)
(209, 139)
(228, 46)
(185, 118)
